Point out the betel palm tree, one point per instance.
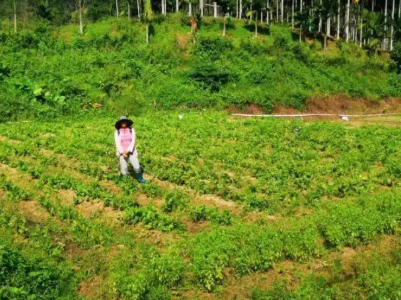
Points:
(190, 3)
(15, 17)
(374, 24)
(81, 26)
(304, 21)
(255, 22)
(326, 10)
(147, 17)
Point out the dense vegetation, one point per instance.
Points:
(233, 203)
(48, 71)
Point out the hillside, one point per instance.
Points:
(47, 71)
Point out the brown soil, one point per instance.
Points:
(330, 105)
(66, 196)
(342, 104)
(22, 180)
(182, 40)
(252, 109)
(89, 289)
(33, 210)
(89, 208)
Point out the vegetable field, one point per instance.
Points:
(236, 209)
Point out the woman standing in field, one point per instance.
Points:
(126, 151)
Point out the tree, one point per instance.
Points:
(128, 10)
(81, 27)
(117, 10)
(347, 19)
(147, 17)
(15, 18)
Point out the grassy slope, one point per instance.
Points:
(52, 71)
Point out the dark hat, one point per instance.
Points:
(122, 120)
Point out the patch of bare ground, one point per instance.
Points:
(66, 196)
(22, 180)
(254, 217)
(155, 237)
(182, 40)
(90, 288)
(342, 104)
(195, 227)
(72, 250)
(111, 216)
(89, 209)
(253, 109)
(5, 139)
(33, 210)
(111, 187)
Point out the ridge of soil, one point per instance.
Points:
(338, 104)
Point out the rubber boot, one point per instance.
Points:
(140, 178)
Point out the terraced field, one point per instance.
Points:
(236, 209)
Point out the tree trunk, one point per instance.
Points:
(147, 33)
(328, 26)
(177, 5)
(15, 18)
(320, 19)
(338, 19)
(139, 8)
(292, 14)
(347, 21)
(392, 26)
(361, 26)
(311, 13)
(282, 11)
(129, 10)
(190, 9)
(385, 26)
(301, 6)
(117, 11)
(256, 25)
(277, 17)
(236, 9)
(300, 34)
(81, 26)
(240, 9)
(214, 9)
(201, 7)
(268, 12)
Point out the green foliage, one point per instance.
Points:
(49, 71)
(395, 56)
(33, 277)
(316, 187)
(151, 218)
(175, 201)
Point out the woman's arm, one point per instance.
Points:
(118, 142)
(132, 145)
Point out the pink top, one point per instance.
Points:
(125, 141)
(125, 138)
